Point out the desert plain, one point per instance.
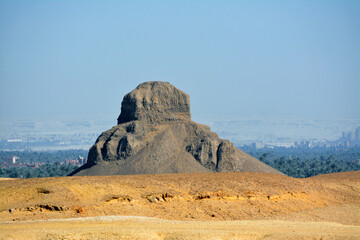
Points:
(182, 206)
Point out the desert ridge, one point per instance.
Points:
(242, 205)
(191, 196)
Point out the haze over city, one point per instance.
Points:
(243, 58)
(292, 61)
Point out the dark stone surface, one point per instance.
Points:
(155, 102)
(155, 134)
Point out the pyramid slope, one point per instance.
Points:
(155, 135)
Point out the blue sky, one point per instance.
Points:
(244, 58)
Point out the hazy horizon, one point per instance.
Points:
(249, 59)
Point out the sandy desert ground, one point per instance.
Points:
(182, 206)
(142, 228)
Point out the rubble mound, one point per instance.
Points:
(155, 134)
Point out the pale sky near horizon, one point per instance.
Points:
(244, 58)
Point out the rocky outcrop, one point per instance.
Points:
(155, 134)
(155, 102)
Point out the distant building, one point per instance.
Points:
(72, 162)
(32, 165)
(10, 160)
(82, 160)
(77, 162)
(348, 139)
(303, 144)
(35, 165)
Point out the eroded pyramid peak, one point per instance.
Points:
(155, 102)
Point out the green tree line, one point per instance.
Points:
(294, 162)
(47, 170)
(307, 162)
(44, 156)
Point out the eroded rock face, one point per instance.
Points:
(155, 134)
(155, 102)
